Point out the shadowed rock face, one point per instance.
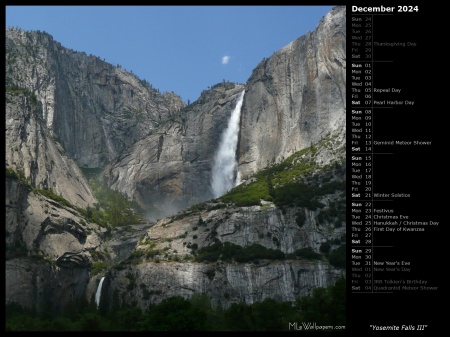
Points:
(224, 284)
(48, 249)
(83, 112)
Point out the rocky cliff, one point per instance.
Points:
(48, 249)
(293, 99)
(66, 110)
(171, 168)
(95, 109)
(241, 253)
(34, 153)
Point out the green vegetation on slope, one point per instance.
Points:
(231, 252)
(15, 90)
(291, 182)
(113, 207)
(112, 210)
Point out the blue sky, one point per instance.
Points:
(184, 49)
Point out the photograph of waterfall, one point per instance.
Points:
(175, 168)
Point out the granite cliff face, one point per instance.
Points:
(48, 249)
(171, 169)
(95, 109)
(223, 283)
(170, 258)
(295, 97)
(66, 110)
(292, 100)
(31, 150)
(165, 262)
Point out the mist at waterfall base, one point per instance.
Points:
(224, 170)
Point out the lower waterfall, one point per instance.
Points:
(99, 292)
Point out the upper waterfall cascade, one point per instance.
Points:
(224, 171)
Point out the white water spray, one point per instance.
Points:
(99, 292)
(225, 163)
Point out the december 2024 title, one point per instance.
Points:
(383, 9)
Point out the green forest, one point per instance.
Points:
(324, 307)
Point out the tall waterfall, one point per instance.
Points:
(225, 164)
(99, 292)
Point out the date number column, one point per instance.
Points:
(361, 124)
